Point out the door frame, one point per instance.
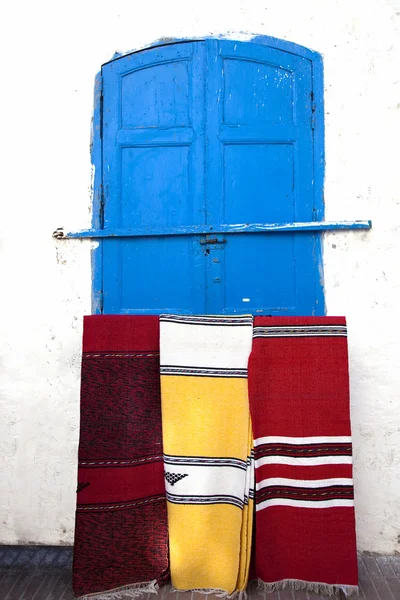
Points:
(318, 157)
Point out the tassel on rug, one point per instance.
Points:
(315, 588)
(121, 533)
(207, 450)
(299, 399)
(137, 590)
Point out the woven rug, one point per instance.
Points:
(207, 449)
(121, 538)
(299, 399)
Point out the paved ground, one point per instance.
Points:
(32, 573)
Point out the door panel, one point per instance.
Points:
(155, 186)
(259, 183)
(256, 93)
(144, 284)
(263, 278)
(156, 96)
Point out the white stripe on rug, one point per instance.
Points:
(325, 439)
(304, 503)
(307, 483)
(301, 461)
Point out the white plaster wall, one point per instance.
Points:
(50, 54)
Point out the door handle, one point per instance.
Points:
(212, 241)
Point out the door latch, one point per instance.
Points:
(212, 241)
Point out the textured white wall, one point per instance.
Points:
(50, 54)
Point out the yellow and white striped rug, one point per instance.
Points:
(208, 449)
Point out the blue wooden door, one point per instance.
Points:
(202, 134)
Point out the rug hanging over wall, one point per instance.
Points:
(121, 535)
(207, 449)
(299, 399)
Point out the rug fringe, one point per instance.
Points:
(236, 595)
(133, 590)
(309, 586)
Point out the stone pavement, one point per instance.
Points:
(44, 573)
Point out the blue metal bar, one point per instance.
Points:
(215, 229)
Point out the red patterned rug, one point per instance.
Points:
(121, 536)
(299, 399)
